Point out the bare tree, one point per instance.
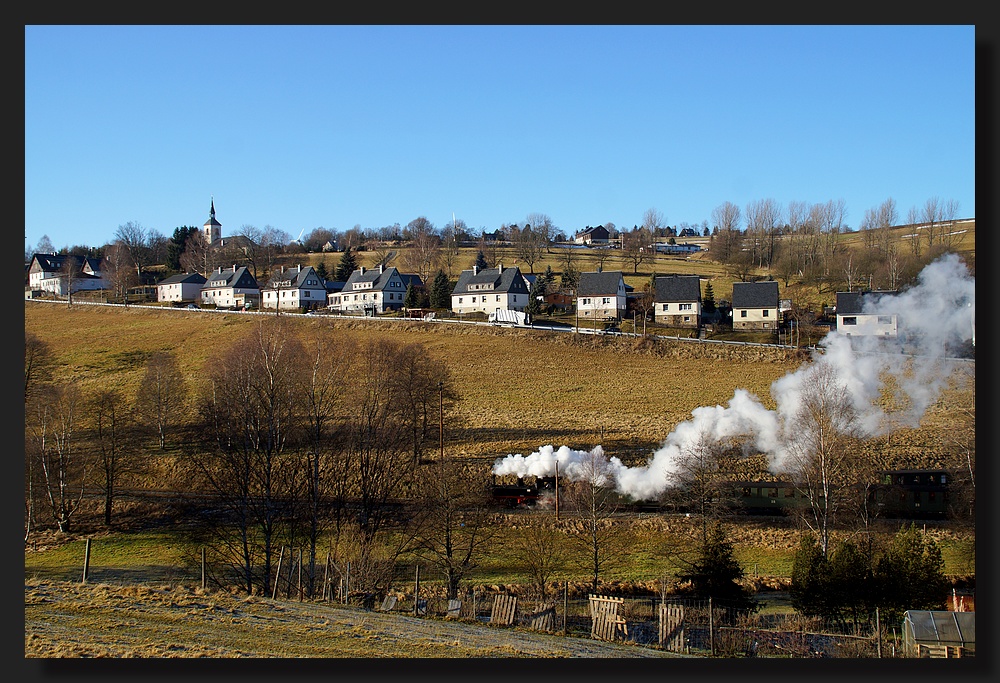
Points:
(252, 236)
(423, 387)
(249, 404)
(424, 251)
(530, 244)
(197, 256)
(823, 438)
(114, 426)
(700, 480)
(592, 495)
(135, 239)
(118, 268)
(637, 247)
(326, 468)
(727, 216)
(539, 546)
(600, 256)
(162, 394)
(51, 441)
(653, 221)
(455, 520)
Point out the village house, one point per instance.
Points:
(293, 289)
(755, 305)
(858, 314)
(233, 288)
(58, 274)
(677, 300)
(372, 291)
(593, 235)
(180, 288)
(601, 295)
(490, 289)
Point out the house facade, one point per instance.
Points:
(490, 289)
(677, 300)
(755, 306)
(601, 295)
(858, 314)
(181, 288)
(593, 235)
(372, 291)
(293, 289)
(233, 288)
(47, 273)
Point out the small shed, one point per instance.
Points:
(928, 633)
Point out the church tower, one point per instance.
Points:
(213, 228)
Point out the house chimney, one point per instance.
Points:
(475, 269)
(362, 270)
(499, 267)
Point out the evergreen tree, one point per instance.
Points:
(348, 264)
(570, 277)
(321, 271)
(548, 278)
(441, 291)
(480, 263)
(411, 300)
(176, 244)
(534, 306)
(910, 575)
(708, 301)
(810, 580)
(716, 573)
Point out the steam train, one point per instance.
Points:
(905, 494)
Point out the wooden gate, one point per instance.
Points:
(672, 627)
(544, 619)
(605, 624)
(504, 607)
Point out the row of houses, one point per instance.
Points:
(600, 295)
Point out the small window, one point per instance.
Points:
(743, 314)
(851, 321)
(884, 320)
(772, 492)
(766, 312)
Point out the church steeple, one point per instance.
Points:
(212, 227)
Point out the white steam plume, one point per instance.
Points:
(937, 312)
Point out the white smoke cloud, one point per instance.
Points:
(934, 315)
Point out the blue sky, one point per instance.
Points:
(299, 127)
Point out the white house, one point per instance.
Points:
(47, 273)
(601, 295)
(677, 300)
(180, 288)
(233, 288)
(293, 289)
(372, 290)
(859, 314)
(755, 305)
(490, 289)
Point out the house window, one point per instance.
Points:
(743, 314)
(498, 297)
(665, 307)
(687, 318)
(305, 294)
(685, 307)
(766, 312)
(459, 299)
(586, 302)
(606, 300)
(851, 321)
(884, 320)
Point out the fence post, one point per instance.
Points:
(416, 592)
(711, 627)
(878, 635)
(86, 561)
(565, 606)
(347, 583)
(300, 574)
(203, 567)
(277, 573)
(326, 576)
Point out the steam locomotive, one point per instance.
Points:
(906, 494)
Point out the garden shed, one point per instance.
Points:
(928, 633)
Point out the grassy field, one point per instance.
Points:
(518, 390)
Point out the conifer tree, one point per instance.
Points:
(716, 573)
(411, 300)
(441, 291)
(708, 301)
(348, 264)
(480, 263)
